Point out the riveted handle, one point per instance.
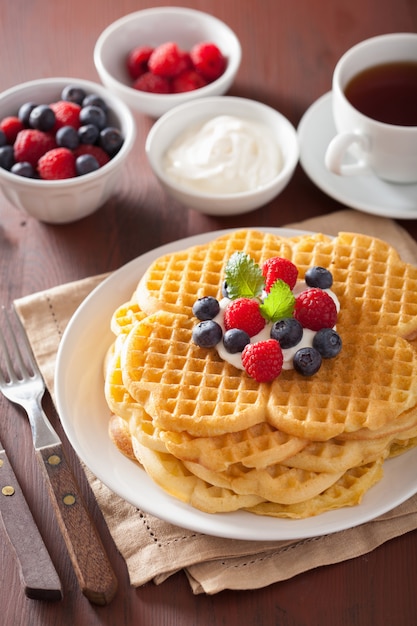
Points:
(37, 572)
(91, 565)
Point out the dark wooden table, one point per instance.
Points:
(289, 52)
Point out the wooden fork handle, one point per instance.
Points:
(37, 572)
(91, 565)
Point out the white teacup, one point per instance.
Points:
(364, 144)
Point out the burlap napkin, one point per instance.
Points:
(154, 549)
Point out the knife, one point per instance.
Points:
(37, 572)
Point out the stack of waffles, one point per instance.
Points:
(213, 437)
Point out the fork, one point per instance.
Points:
(24, 385)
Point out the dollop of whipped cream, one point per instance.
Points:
(224, 155)
(288, 353)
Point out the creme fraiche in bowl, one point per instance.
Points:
(155, 27)
(48, 168)
(223, 155)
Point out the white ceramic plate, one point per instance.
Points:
(84, 414)
(365, 193)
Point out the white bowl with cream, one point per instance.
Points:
(223, 155)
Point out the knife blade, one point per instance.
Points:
(36, 569)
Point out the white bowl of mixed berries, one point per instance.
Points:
(158, 58)
(62, 144)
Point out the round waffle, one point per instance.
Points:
(125, 317)
(257, 446)
(347, 491)
(172, 475)
(190, 388)
(275, 483)
(174, 282)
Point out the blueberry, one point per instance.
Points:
(328, 342)
(67, 137)
(207, 334)
(6, 157)
(287, 331)
(307, 361)
(206, 308)
(88, 133)
(24, 112)
(93, 99)
(86, 163)
(234, 340)
(42, 117)
(111, 140)
(23, 168)
(3, 138)
(224, 290)
(73, 93)
(319, 277)
(93, 115)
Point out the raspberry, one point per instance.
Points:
(137, 61)
(188, 80)
(168, 60)
(263, 360)
(152, 83)
(11, 126)
(186, 71)
(66, 114)
(315, 309)
(95, 151)
(208, 60)
(278, 267)
(245, 314)
(56, 164)
(31, 144)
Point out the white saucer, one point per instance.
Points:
(365, 193)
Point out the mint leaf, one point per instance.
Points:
(243, 277)
(279, 303)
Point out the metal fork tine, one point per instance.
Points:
(24, 370)
(7, 359)
(24, 338)
(11, 371)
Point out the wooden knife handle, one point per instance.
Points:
(37, 572)
(92, 567)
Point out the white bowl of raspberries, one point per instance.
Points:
(158, 58)
(62, 144)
